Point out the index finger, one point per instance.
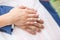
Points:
(31, 9)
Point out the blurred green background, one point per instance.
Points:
(56, 5)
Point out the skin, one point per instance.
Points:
(24, 18)
(17, 13)
(32, 24)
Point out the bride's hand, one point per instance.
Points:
(32, 24)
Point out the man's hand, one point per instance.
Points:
(32, 27)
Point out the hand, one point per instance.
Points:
(33, 27)
(20, 13)
(32, 24)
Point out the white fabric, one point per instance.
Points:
(51, 30)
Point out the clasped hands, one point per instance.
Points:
(27, 19)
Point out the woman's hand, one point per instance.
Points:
(30, 24)
(21, 14)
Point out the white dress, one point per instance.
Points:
(51, 30)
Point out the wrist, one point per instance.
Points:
(11, 18)
(5, 20)
(8, 18)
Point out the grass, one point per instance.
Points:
(56, 5)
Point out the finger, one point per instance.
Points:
(31, 19)
(31, 9)
(41, 26)
(30, 31)
(38, 25)
(32, 16)
(40, 21)
(34, 28)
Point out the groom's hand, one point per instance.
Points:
(33, 27)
